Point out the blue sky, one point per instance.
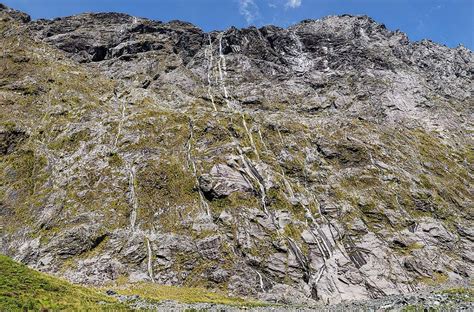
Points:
(449, 22)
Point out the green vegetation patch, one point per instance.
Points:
(24, 289)
(156, 292)
(436, 279)
(463, 294)
(167, 187)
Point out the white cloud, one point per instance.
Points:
(293, 4)
(249, 10)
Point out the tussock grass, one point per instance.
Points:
(24, 289)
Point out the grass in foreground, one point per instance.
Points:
(460, 293)
(156, 293)
(23, 289)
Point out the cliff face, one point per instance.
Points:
(328, 161)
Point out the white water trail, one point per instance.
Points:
(320, 247)
(223, 70)
(261, 139)
(260, 278)
(133, 197)
(320, 274)
(247, 166)
(122, 118)
(281, 137)
(318, 235)
(191, 161)
(303, 63)
(253, 173)
(252, 143)
(289, 189)
(299, 255)
(150, 265)
(209, 70)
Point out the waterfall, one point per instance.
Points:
(122, 118)
(223, 70)
(260, 279)
(253, 173)
(261, 139)
(192, 162)
(303, 63)
(133, 197)
(287, 184)
(149, 262)
(252, 143)
(299, 256)
(209, 69)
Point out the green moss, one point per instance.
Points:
(277, 200)
(406, 250)
(72, 142)
(166, 187)
(364, 181)
(435, 280)
(367, 207)
(196, 277)
(23, 289)
(292, 231)
(212, 132)
(373, 216)
(8, 125)
(23, 185)
(24, 173)
(115, 160)
(438, 170)
(234, 201)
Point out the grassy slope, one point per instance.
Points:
(22, 288)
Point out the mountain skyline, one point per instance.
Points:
(445, 22)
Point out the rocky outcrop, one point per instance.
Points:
(10, 139)
(223, 181)
(9, 13)
(326, 162)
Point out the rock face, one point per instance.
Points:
(328, 161)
